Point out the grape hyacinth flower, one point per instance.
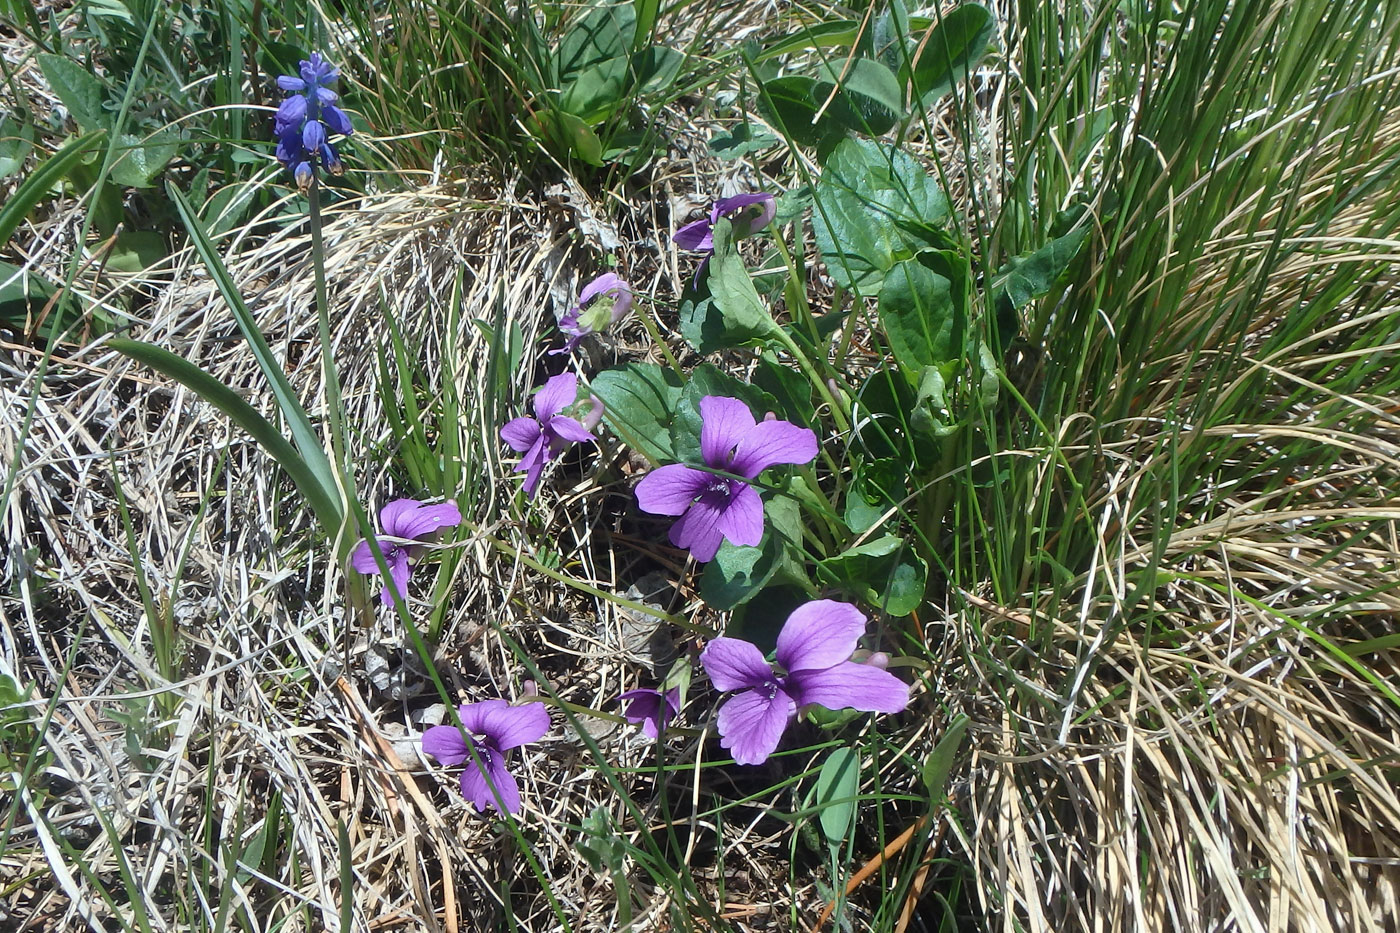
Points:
(653, 709)
(602, 303)
(749, 213)
(549, 433)
(713, 508)
(814, 648)
(494, 727)
(304, 120)
(406, 521)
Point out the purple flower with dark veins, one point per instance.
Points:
(713, 508)
(652, 708)
(549, 433)
(493, 727)
(405, 523)
(814, 650)
(749, 213)
(602, 303)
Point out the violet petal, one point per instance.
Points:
(851, 685)
(507, 726)
(446, 744)
(698, 529)
(724, 422)
(558, 393)
(751, 724)
(670, 489)
(742, 520)
(698, 234)
(819, 634)
(773, 442)
(735, 664)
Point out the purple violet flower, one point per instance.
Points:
(611, 299)
(749, 213)
(304, 119)
(652, 708)
(711, 507)
(407, 521)
(813, 651)
(494, 727)
(549, 433)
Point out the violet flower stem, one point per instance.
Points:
(654, 333)
(838, 411)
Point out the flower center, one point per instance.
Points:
(719, 486)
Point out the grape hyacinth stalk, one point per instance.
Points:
(306, 119)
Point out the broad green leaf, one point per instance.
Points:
(603, 33)
(308, 442)
(708, 379)
(738, 574)
(136, 250)
(838, 783)
(931, 416)
(940, 761)
(950, 49)
(323, 501)
(744, 139)
(16, 140)
(885, 572)
(786, 384)
(639, 404)
(80, 92)
(39, 183)
(746, 319)
(1032, 275)
(868, 78)
(140, 160)
(23, 297)
(889, 37)
(874, 207)
(566, 133)
(876, 487)
(923, 317)
(883, 423)
(598, 90)
(656, 68)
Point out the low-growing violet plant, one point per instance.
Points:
(490, 729)
(602, 303)
(815, 667)
(405, 524)
(749, 213)
(715, 507)
(550, 432)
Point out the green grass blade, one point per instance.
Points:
(313, 454)
(321, 496)
(39, 184)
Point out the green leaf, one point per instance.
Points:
(828, 34)
(136, 250)
(952, 47)
(323, 501)
(885, 572)
(940, 761)
(598, 90)
(143, 159)
(1032, 275)
(838, 783)
(874, 207)
(867, 78)
(744, 139)
(639, 404)
(23, 297)
(16, 140)
(564, 133)
(708, 379)
(790, 105)
(308, 442)
(922, 316)
(876, 487)
(745, 319)
(738, 574)
(883, 423)
(603, 33)
(80, 92)
(786, 384)
(656, 68)
(931, 416)
(40, 182)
